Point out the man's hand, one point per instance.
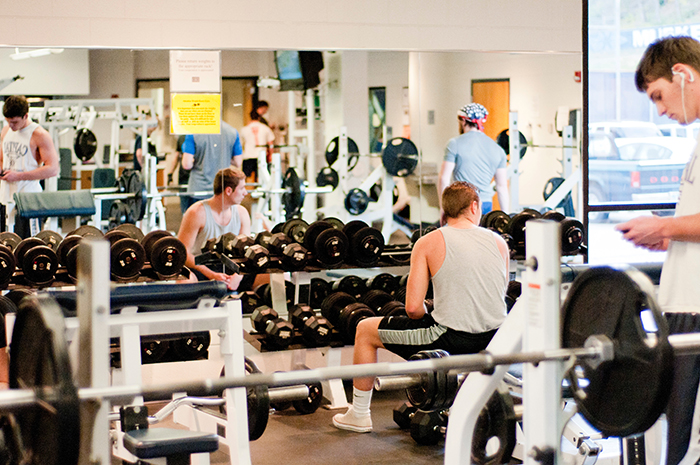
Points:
(11, 176)
(232, 280)
(645, 231)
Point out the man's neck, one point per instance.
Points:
(462, 222)
(218, 203)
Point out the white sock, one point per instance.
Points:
(361, 401)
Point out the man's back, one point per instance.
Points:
(212, 153)
(476, 157)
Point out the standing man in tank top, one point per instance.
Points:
(468, 266)
(27, 155)
(211, 218)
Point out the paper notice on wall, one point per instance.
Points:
(195, 71)
(195, 113)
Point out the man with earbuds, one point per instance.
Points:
(669, 73)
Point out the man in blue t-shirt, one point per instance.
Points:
(205, 154)
(475, 158)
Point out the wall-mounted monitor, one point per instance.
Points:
(298, 70)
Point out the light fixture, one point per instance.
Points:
(39, 52)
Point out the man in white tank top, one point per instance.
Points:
(210, 218)
(27, 155)
(669, 73)
(468, 266)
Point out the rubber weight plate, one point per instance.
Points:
(333, 304)
(10, 239)
(137, 204)
(39, 265)
(376, 299)
(553, 215)
(194, 346)
(293, 197)
(318, 291)
(65, 246)
(50, 238)
(366, 247)
(8, 265)
(132, 231)
(114, 235)
(571, 236)
(384, 282)
(624, 396)
(313, 400)
(503, 139)
(151, 238)
(337, 223)
(356, 201)
(84, 144)
(516, 228)
(25, 245)
(87, 231)
(496, 220)
(127, 259)
(295, 229)
(400, 157)
(350, 317)
(258, 405)
(331, 247)
(422, 396)
(50, 432)
(312, 232)
(168, 256)
(333, 151)
(327, 177)
(496, 420)
(352, 285)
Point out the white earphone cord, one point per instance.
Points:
(685, 115)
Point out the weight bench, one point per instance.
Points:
(54, 204)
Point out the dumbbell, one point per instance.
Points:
(333, 304)
(383, 282)
(571, 232)
(264, 293)
(516, 230)
(366, 243)
(292, 255)
(512, 293)
(165, 252)
(256, 257)
(194, 346)
(127, 257)
(8, 263)
(418, 233)
(319, 289)
(295, 229)
(278, 331)
(37, 261)
(403, 414)
(392, 308)
(153, 350)
(50, 238)
(132, 230)
(316, 330)
(328, 245)
(348, 319)
(352, 285)
(496, 220)
(428, 427)
(376, 299)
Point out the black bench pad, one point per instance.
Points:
(60, 203)
(161, 442)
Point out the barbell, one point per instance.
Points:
(611, 354)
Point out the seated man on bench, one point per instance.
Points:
(468, 266)
(211, 218)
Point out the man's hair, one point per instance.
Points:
(254, 115)
(261, 103)
(15, 105)
(457, 197)
(227, 177)
(660, 56)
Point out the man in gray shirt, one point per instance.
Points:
(468, 310)
(474, 157)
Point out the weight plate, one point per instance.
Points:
(312, 232)
(333, 152)
(335, 222)
(516, 228)
(132, 230)
(258, 404)
(400, 157)
(114, 235)
(333, 304)
(277, 228)
(137, 204)
(168, 256)
(50, 238)
(50, 433)
(503, 139)
(120, 213)
(357, 201)
(376, 299)
(422, 395)
(366, 247)
(318, 290)
(64, 247)
(295, 229)
(348, 319)
(24, 246)
(84, 144)
(496, 220)
(8, 265)
(331, 247)
(553, 215)
(571, 236)
(151, 238)
(393, 308)
(352, 285)
(71, 262)
(496, 420)
(293, 197)
(127, 258)
(153, 351)
(384, 282)
(619, 304)
(327, 177)
(312, 402)
(10, 239)
(39, 265)
(352, 227)
(87, 231)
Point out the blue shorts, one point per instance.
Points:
(405, 336)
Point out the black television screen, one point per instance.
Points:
(298, 70)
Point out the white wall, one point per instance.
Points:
(69, 74)
(525, 25)
(390, 70)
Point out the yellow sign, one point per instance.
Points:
(195, 114)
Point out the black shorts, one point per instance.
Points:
(405, 336)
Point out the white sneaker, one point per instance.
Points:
(351, 422)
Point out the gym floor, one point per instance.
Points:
(295, 439)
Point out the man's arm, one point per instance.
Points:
(445, 178)
(46, 154)
(404, 197)
(653, 232)
(237, 153)
(502, 188)
(503, 249)
(431, 245)
(188, 149)
(245, 220)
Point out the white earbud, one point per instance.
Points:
(691, 76)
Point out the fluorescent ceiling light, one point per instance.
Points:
(39, 52)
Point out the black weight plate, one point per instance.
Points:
(10, 239)
(553, 215)
(503, 139)
(295, 229)
(50, 238)
(610, 302)
(151, 238)
(376, 299)
(331, 247)
(132, 231)
(127, 258)
(39, 265)
(120, 213)
(87, 231)
(400, 157)
(422, 395)
(496, 220)
(349, 318)
(168, 256)
(496, 420)
(516, 228)
(50, 433)
(84, 144)
(337, 223)
(312, 232)
(571, 236)
(114, 235)
(393, 308)
(258, 405)
(8, 264)
(64, 247)
(333, 151)
(327, 177)
(366, 247)
(7, 305)
(277, 228)
(318, 290)
(352, 285)
(71, 262)
(293, 197)
(440, 382)
(137, 204)
(357, 201)
(352, 227)
(384, 282)
(154, 351)
(333, 304)
(194, 346)
(312, 402)
(24, 246)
